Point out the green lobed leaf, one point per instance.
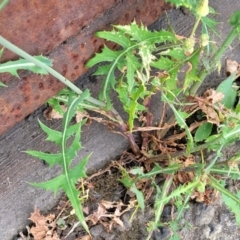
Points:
(139, 195)
(75, 146)
(191, 4)
(134, 106)
(115, 36)
(136, 41)
(141, 33)
(68, 178)
(235, 19)
(22, 64)
(108, 82)
(126, 180)
(229, 92)
(106, 55)
(233, 206)
(145, 52)
(211, 24)
(131, 64)
(53, 135)
(203, 132)
(177, 53)
(182, 189)
(103, 70)
(163, 63)
(2, 84)
(50, 158)
(172, 80)
(180, 117)
(55, 104)
(192, 73)
(218, 186)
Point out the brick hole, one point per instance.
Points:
(64, 69)
(18, 116)
(26, 99)
(51, 81)
(84, 61)
(41, 86)
(75, 56)
(18, 106)
(76, 67)
(126, 16)
(138, 10)
(154, 13)
(83, 27)
(37, 97)
(82, 46)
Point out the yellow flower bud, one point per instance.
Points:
(203, 9)
(188, 46)
(204, 40)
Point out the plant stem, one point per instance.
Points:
(160, 206)
(217, 56)
(195, 27)
(3, 3)
(5, 43)
(130, 138)
(68, 83)
(202, 75)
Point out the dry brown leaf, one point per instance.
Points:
(179, 37)
(199, 197)
(80, 115)
(213, 96)
(210, 112)
(86, 237)
(51, 113)
(163, 74)
(185, 177)
(189, 161)
(108, 204)
(231, 67)
(108, 219)
(44, 228)
(189, 67)
(96, 216)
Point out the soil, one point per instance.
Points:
(200, 221)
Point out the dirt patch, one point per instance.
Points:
(106, 194)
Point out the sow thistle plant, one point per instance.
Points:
(146, 63)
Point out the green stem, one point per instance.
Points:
(202, 75)
(160, 206)
(5, 43)
(3, 3)
(231, 36)
(195, 27)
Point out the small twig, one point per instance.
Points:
(162, 118)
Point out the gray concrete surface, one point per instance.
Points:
(17, 198)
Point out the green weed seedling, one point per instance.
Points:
(146, 63)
